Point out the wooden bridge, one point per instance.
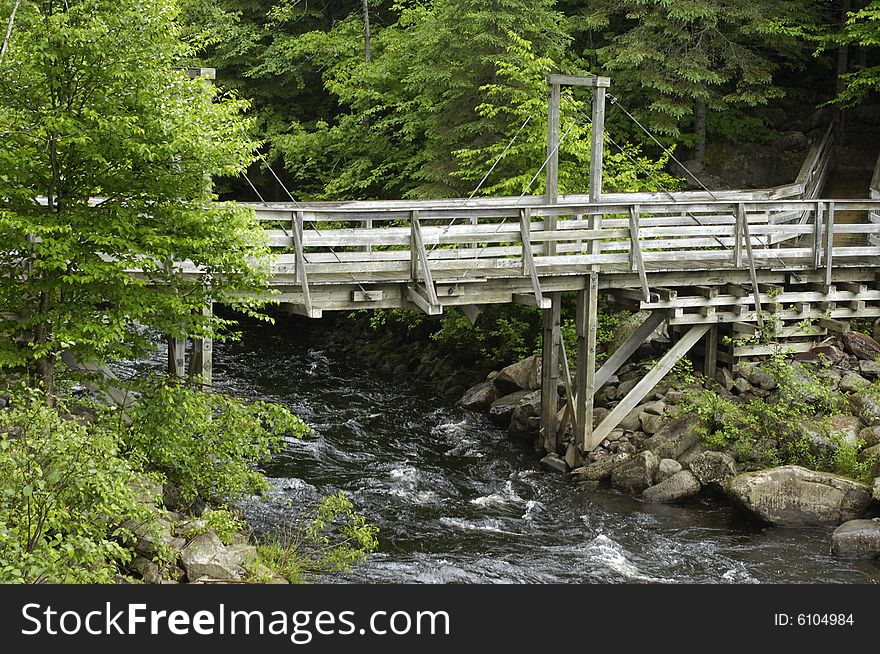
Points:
(705, 263)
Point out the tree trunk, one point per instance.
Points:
(700, 131)
(44, 367)
(367, 53)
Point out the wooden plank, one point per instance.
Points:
(414, 295)
(752, 273)
(202, 362)
(367, 296)
(176, 356)
(710, 355)
(622, 354)
(418, 245)
(646, 385)
(551, 335)
(829, 242)
(637, 261)
(578, 80)
(301, 273)
(529, 259)
(586, 326)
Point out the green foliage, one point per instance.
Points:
(206, 443)
(862, 29)
(94, 104)
(223, 523)
(790, 426)
(64, 490)
(333, 539)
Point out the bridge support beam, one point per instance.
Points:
(201, 363)
(550, 359)
(176, 356)
(586, 325)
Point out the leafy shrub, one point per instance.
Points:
(64, 489)
(208, 444)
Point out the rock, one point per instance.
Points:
(762, 379)
(625, 387)
(675, 438)
(852, 383)
(651, 423)
(147, 491)
(656, 408)
(742, 386)
(501, 410)
(206, 556)
(479, 397)
(637, 473)
(869, 368)
(598, 470)
(666, 469)
(626, 447)
(629, 324)
(171, 497)
(866, 408)
(151, 535)
(615, 435)
(632, 422)
(792, 496)
(518, 376)
(713, 468)
(871, 456)
(723, 377)
(552, 463)
(525, 420)
(861, 346)
(190, 528)
(679, 486)
(148, 570)
(857, 539)
(245, 555)
(824, 352)
(870, 436)
(839, 429)
(876, 490)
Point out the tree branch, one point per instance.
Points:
(9, 29)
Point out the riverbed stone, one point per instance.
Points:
(518, 376)
(871, 456)
(742, 386)
(852, 382)
(861, 345)
(760, 378)
(666, 469)
(713, 468)
(501, 410)
(632, 421)
(656, 408)
(865, 407)
(870, 436)
(479, 397)
(573, 456)
(651, 423)
(525, 419)
(625, 387)
(795, 496)
(857, 539)
(675, 438)
(838, 429)
(552, 463)
(148, 570)
(876, 490)
(679, 486)
(869, 368)
(724, 377)
(637, 473)
(599, 469)
(206, 556)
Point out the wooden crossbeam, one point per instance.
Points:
(301, 274)
(423, 295)
(752, 273)
(637, 262)
(646, 385)
(622, 354)
(525, 228)
(829, 241)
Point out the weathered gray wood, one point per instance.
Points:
(471, 312)
(176, 356)
(301, 273)
(752, 273)
(551, 334)
(597, 141)
(622, 354)
(738, 243)
(529, 260)
(637, 261)
(202, 361)
(552, 168)
(710, 354)
(419, 246)
(829, 242)
(578, 80)
(367, 296)
(646, 385)
(586, 326)
(570, 411)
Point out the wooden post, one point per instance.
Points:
(710, 355)
(551, 193)
(551, 335)
(585, 377)
(202, 362)
(176, 356)
(829, 243)
(597, 143)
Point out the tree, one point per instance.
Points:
(862, 28)
(93, 105)
(690, 59)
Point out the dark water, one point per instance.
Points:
(456, 501)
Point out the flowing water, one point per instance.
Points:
(456, 501)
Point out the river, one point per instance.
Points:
(457, 502)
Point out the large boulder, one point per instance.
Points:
(870, 436)
(852, 383)
(501, 410)
(679, 486)
(876, 491)
(861, 346)
(666, 469)
(865, 407)
(795, 496)
(520, 376)
(713, 468)
(525, 420)
(871, 456)
(479, 397)
(676, 437)
(637, 473)
(857, 539)
(553, 463)
(207, 556)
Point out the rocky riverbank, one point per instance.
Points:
(679, 443)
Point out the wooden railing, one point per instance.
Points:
(437, 243)
(874, 216)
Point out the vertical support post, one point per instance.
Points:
(413, 247)
(551, 335)
(829, 243)
(202, 362)
(738, 235)
(551, 193)
(176, 356)
(817, 236)
(586, 325)
(710, 356)
(597, 142)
